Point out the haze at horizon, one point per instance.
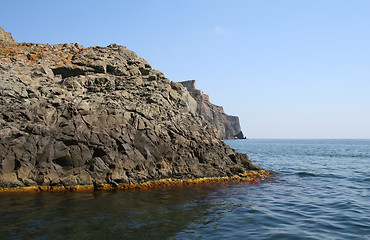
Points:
(288, 69)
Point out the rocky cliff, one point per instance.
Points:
(6, 37)
(71, 115)
(228, 126)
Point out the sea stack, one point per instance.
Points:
(72, 115)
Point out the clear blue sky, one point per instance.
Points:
(287, 68)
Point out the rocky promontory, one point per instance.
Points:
(72, 115)
(228, 126)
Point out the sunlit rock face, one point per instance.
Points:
(72, 115)
(228, 126)
(6, 37)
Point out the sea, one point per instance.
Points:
(320, 189)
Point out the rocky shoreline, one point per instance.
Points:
(74, 116)
(250, 177)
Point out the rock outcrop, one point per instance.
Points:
(6, 37)
(71, 115)
(228, 126)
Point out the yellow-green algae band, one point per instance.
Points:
(252, 177)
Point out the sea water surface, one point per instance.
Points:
(320, 190)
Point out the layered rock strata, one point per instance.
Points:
(228, 126)
(71, 116)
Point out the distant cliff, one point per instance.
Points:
(71, 115)
(228, 126)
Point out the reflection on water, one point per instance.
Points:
(156, 214)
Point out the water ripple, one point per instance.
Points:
(320, 191)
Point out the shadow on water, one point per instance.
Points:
(155, 214)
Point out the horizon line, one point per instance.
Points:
(256, 138)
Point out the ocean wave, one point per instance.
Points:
(360, 180)
(309, 174)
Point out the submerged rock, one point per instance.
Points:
(80, 116)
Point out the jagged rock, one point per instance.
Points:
(239, 135)
(227, 125)
(71, 115)
(6, 37)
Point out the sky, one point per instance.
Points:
(287, 68)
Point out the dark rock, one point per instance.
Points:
(240, 135)
(72, 115)
(67, 72)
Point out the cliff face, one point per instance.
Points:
(71, 115)
(228, 126)
(6, 37)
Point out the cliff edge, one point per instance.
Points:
(71, 115)
(228, 126)
(6, 37)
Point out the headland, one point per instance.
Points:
(97, 116)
